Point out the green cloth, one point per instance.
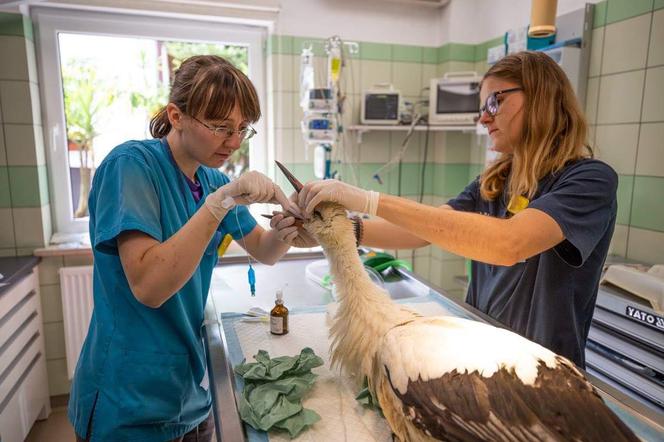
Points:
(273, 391)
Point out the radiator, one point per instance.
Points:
(77, 303)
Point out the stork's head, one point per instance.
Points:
(328, 223)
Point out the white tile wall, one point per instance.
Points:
(284, 76)
(23, 142)
(58, 383)
(620, 98)
(48, 270)
(592, 93)
(428, 72)
(283, 117)
(300, 154)
(656, 50)
(408, 77)
(7, 238)
(28, 227)
(596, 52)
(375, 147)
(3, 150)
(351, 77)
(51, 301)
(626, 45)
(54, 337)
(16, 102)
(645, 245)
(375, 72)
(13, 54)
(619, 241)
(284, 145)
(651, 150)
(616, 145)
(653, 103)
(4, 252)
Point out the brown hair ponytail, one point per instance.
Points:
(159, 124)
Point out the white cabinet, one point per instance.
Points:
(24, 396)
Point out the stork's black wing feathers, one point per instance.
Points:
(560, 405)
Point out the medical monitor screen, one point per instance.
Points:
(381, 107)
(458, 98)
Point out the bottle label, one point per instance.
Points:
(276, 325)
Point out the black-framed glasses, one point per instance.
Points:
(491, 103)
(227, 132)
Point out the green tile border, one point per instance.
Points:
(5, 196)
(16, 25)
(280, 44)
(463, 52)
(28, 186)
(429, 55)
(375, 51)
(405, 53)
(659, 4)
(599, 15)
(647, 207)
(618, 10)
(317, 46)
(624, 196)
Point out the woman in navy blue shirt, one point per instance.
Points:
(536, 223)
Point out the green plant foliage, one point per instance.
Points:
(178, 51)
(85, 98)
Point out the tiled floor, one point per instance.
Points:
(54, 429)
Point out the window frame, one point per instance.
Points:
(49, 22)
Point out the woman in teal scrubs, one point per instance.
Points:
(158, 211)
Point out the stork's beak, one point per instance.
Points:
(291, 178)
(298, 221)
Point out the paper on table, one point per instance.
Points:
(333, 395)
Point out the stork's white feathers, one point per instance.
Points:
(444, 378)
(414, 351)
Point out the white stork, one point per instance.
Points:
(446, 378)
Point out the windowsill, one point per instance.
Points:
(79, 245)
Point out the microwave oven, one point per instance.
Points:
(380, 106)
(454, 99)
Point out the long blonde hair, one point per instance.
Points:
(554, 130)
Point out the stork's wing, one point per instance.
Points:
(462, 380)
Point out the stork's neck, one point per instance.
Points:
(346, 267)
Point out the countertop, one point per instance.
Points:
(230, 293)
(15, 268)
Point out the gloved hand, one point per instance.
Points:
(250, 187)
(291, 234)
(351, 197)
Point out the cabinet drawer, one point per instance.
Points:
(25, 403)
(9, 324)
(19, 353)
(14, 295)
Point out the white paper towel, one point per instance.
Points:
(333, 395)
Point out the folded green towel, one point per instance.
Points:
(273, 391)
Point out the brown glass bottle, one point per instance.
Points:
(279, 316)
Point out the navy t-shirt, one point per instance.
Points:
(550, 298)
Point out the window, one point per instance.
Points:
(103, 76)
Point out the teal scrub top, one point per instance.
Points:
(141, 375)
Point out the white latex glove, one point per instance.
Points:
(351, 197)
(250, 187)
(291, 234)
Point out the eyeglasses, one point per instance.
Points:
(227, 132)
(491, 103)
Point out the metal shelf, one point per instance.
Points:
(362, 128)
